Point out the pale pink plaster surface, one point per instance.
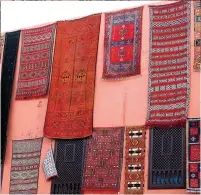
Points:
(117, 103)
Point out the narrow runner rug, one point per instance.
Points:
(70, 105)
(122, 49)
(169, 65)
(135, 158)
(103, 161)
(7, 78)
(69, 157)
(197, 35)
(25, 166)
(193, 156)
(35, 62)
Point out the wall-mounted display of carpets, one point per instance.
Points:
(58, 62)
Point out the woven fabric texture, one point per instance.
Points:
(25, 166)
(49, 166)
(135, 159)
(35, 62)
(103, 161)
(193, 156)
(122, 50)
(197, 35)
(169, 65)
(70, 106)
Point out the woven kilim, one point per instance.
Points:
(134, 156)
(25, 166)
(49, 167)
(69, 157)
(35, 62)
(122, 49)
(7, 79)
(70, 106)
(168, 96)
(193, 156)
(197, 34)
(103, 161)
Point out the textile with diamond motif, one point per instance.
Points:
(169, 65)
(122, 50)
(193, 157)
(103, 161)
(197, 35)
(35, 62)
(70, 106)
(25, 166)
(134, 156)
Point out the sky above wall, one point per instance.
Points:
(24, 14)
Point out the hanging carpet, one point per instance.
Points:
(193, 156)
(122, 49)
(104, 153)
(69, 157)
(35, 62)
(1, 46)
(134, 160)
(70, 105)
(25, 166)
(168, 95)
(7, 78)
(197, 35)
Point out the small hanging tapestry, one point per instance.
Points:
(49, 165)
(122, 50)
(197, 34)
(169, 65)
(1, 46)
(134, 157)
(69, 157)
(167, 158)
(103, 162)
(193, 156)
(25, 166)
(35, 62)
(7, 78)
(70, 106)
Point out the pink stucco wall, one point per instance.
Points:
(117, 103)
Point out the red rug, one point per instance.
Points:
(122, 50)
(70, 106)
(197, 35)
(35, 62)
(103, 161)
(168, 96)
(135, 157)
(193, 156)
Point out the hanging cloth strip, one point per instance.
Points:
(168, 95)
(122, 52)
(69, 157)
(49, 167)
(2, 46)
(103, 161)
(25, 166)
(7, 78)
(193, 156)
(135, 159)
(197, 35)
(70, 105)
(35, 62)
